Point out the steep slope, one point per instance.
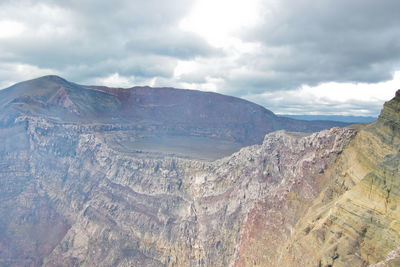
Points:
(354, 220)
(103, 207)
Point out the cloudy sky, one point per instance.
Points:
(293, 57)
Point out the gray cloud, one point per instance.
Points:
(297, 104)
(171, 43)
(83, 40)
(309, 42)
(303, 42)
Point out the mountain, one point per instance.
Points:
(348, 119)
(75, 190)
(162, 116)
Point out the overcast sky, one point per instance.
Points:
(293, 57)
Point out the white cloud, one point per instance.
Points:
(36, 20)
(10, 28)
(115, 80)
(361, 99)
(17, 72)
(343, 92)
(218, 20)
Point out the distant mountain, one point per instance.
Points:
(158, 117)
(348, 119)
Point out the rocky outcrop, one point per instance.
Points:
(61, 99)
(354, 220)
(157, 211)
(74, 192)
(118, 209)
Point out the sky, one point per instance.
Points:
(293, 57)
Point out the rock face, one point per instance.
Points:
(353, 219)
(104, 207)
(73, 191)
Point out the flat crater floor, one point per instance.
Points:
(191, 147)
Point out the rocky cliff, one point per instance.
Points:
(80, 201)
(359, 215)
(74, 192)
(353, 219)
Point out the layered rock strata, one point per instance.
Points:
(354, 220)
(104, 207)
(74, 192)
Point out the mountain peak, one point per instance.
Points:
(51, 77)
(391, 110)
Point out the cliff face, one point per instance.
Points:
(76, 192)
(354, 221)
(103, 207)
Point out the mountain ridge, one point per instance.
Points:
(153, 111)
(80, 193)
